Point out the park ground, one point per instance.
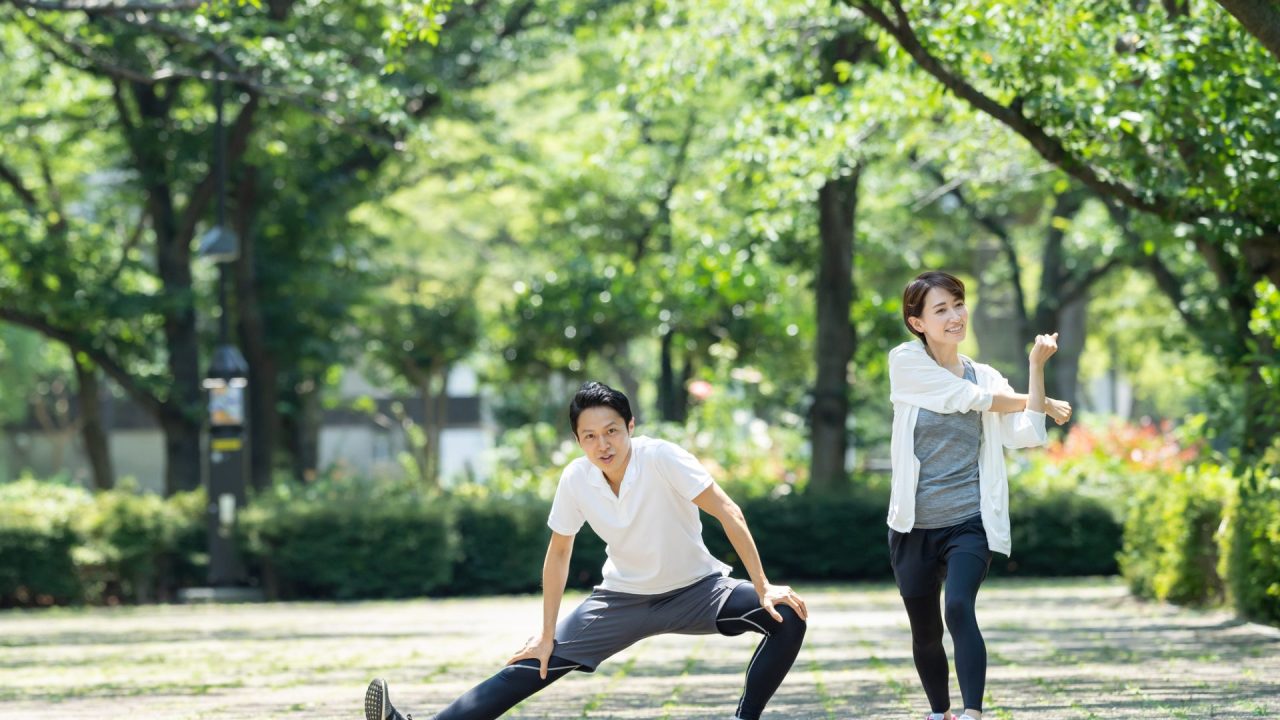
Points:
(1078, 649)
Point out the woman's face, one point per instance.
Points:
(944, 320)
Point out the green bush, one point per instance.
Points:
(800, 537)
(806, 537)
(502, 545)
(38, 542)
(344, 540)
(1250, 544)
(1170, 550)
(185, 561)
(1059, 533)
(844, 537)
(62, 544)
(139, 547)
(588, 559)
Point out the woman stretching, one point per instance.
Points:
(949, 507)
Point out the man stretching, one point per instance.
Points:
(642, 497)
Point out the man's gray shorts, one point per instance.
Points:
(608, 622)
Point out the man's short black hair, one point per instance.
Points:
(597, 394)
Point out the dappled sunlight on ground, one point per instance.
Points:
(1059, 649)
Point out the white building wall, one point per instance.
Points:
(363, 449)
(372, 451)
(137, 454)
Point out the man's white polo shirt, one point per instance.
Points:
(651, 527)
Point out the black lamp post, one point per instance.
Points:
(227, 382)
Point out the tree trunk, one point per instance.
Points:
(630, 383)
(1072, 326)
(184, 461)
(264, 383)
(182, 446)
(1261, 18)
(1051, 305)
(433, 404)
(183, 419)
(437, 434)
(305, 433)
(828, 417)
(999, 320)
(92, 428)
(673, 396)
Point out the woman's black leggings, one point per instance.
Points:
(964, 575)
(741, 613)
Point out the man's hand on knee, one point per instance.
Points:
(773, 595)
(538, 648)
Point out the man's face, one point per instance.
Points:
(606, 438)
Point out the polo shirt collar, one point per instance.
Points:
(601, 483)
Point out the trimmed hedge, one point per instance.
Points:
(64, 545)
(38, 540)
(347, 540)
(35, 564)
(1170, 545)
(470, 546)
(140, 547)
(1060, 534)
(845, 537)
(1201, 535)
(1250, 545)
(502, 546)
(805, 537)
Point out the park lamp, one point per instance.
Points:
(220, 244)
(228, 368)
(226, 382)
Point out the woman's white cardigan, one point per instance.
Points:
(917, 381)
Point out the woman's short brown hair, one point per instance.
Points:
(913, 295)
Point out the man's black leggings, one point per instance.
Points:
(741, 613)
(965, 573)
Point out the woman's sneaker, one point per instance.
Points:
(377, 703)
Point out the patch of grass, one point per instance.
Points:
(595, 702)
(829, 702)
(673, 700)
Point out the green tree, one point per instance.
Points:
(419, 331)
(1156, 109)
(315, 117)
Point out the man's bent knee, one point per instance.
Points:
(792, 624)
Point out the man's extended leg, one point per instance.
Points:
(486, 701)
(775, 653)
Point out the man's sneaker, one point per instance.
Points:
(935, 716)
(377, 703)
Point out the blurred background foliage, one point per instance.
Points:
(711, 205)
